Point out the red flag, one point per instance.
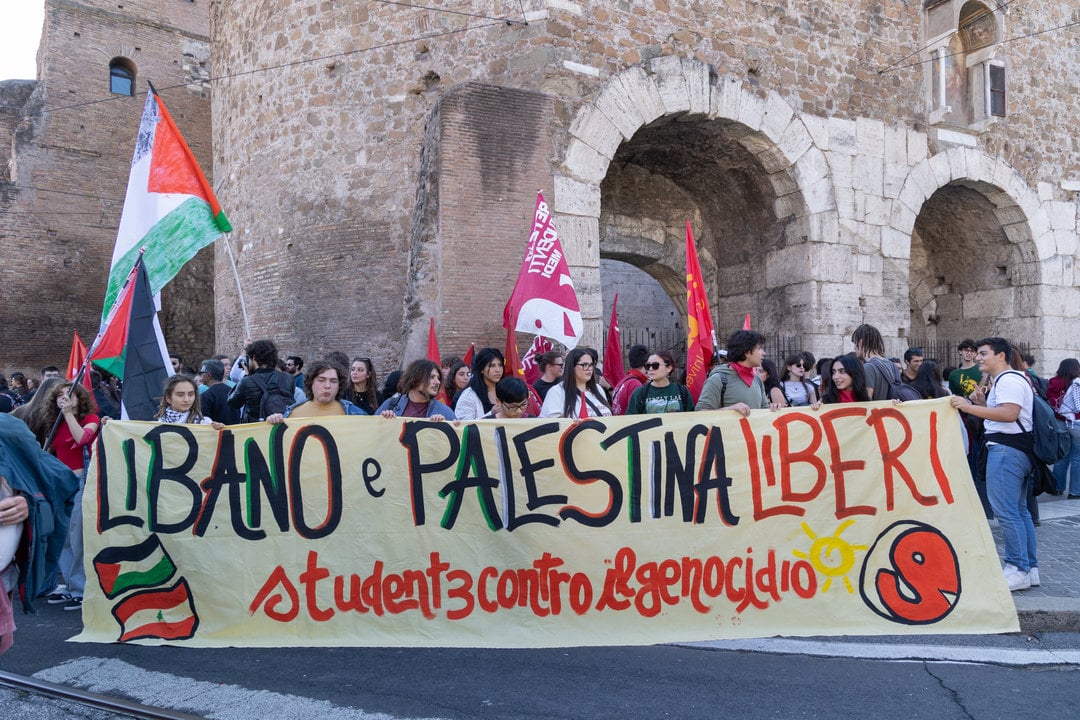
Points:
(613, 364)
(76, 359)
(699, 327)
(746, 322)
(511, 358)
(543, 301)
(433, 355)
(529, 363)
(468, 355)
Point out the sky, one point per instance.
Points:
(20, 32)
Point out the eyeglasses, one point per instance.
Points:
(558, 364)
(517, 407)
(654, 366)
(585, 366)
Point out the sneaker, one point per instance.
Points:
(58, 598)
(75, 603)
(1033, 577)
(1016, 578)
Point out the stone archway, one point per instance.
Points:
(670, 142)
(975, 257)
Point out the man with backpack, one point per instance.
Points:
(882, 376)
(620, 398)
(1006, 411)
(265, 391)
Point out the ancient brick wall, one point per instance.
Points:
(70, 154)
(337, 144)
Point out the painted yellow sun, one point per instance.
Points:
(831, 555)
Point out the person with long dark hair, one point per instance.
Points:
(479, 398)
(797, 390)
(457, 379)
(847, 381)
(578, 395)
(770, 377)
(928, 381)
(361, 390)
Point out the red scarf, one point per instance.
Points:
(845, 395)
(744, 372)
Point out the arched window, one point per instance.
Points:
(966, 76)
(121, 76)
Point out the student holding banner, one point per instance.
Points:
(578, 395)
(1006, 412)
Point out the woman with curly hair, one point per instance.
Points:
(74, 438)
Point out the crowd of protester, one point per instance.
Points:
(995, 406)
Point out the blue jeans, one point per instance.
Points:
(71, 558)
(1070, 466)
(1007, 485)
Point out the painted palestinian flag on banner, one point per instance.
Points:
(167, 614)
(543, 301)
(144, 565)
(169, 208)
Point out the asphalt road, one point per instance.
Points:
(595, 683)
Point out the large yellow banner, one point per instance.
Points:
(853, 519)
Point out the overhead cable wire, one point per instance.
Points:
(414, 6)
(280, 66)
(1066, 26)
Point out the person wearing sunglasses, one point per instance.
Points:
(578, 395)
(797, 389)
(660, 394)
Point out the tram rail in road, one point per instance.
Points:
(90, 699)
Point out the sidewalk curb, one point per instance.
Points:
(1048, 614)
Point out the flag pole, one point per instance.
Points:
(93, 348)
(239, 290)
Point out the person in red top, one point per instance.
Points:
(78, 427)
(620, 398)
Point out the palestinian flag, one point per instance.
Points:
(169, 208)
(132, 348)
(162, 614)
(120, 569)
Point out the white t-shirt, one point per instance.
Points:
(1010, 387)
(553, 404)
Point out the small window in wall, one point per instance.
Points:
(121, 77)
(997, 90)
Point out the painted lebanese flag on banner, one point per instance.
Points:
(543, 301)
(169, 208)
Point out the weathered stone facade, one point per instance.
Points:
(802, 140)
(66, 144)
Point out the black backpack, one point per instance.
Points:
(1049, 434)
(897, 389)
(277, 395)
